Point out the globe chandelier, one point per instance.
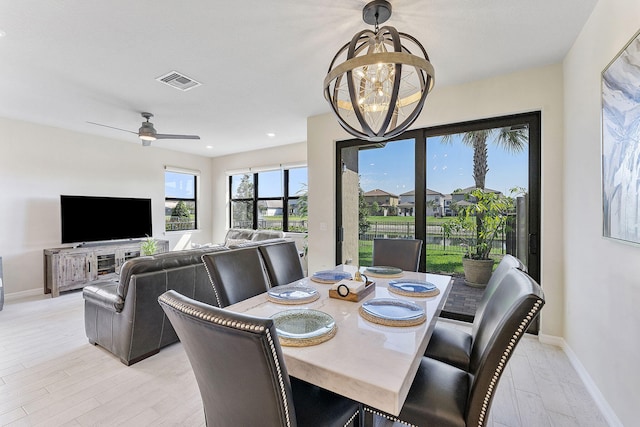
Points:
(378, 89)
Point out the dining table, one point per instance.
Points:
(368, 361)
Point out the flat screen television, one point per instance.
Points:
(93, 219)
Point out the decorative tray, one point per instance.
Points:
(303, 327)
(383, 271)
(292, 294)
(330, 276)
(413, 288)
(346, 292)
(392, 312)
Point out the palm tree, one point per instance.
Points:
(512, 139)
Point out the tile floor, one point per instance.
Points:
(51, 376)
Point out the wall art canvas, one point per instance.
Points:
(621, 144)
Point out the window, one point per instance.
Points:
(180, 203)
(273, 199)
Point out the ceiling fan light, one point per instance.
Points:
(147, 137)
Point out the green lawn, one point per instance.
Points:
(438, 260)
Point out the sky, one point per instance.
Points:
(392, 169)
(449, 167)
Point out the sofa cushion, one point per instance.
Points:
(259, 235)
(256, 243)
(238, 233)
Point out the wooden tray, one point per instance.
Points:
(354, 296)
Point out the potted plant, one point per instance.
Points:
(478, 222)
(149, 246)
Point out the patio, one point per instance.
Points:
(462, 301)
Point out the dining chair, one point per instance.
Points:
(283, 262)
(453, 346)
(238, 275)
(241, 373)
(399, 253)
(445, 396)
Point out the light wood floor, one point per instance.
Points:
(50, 375)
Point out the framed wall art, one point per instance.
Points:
(621, 144)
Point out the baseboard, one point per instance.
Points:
(24, 294)
(606, 409)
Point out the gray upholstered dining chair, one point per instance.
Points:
(453, 346)
(445, 396)
(283, 262)
(241, 373)
(238, 275)
(399, 253)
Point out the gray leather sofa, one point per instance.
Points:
(124, 317)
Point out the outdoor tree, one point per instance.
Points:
(181, 212)
(363, 212)
(242, 211)
(245, 188)
(512, 140)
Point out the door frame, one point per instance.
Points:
(534, 122)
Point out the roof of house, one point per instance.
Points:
(378, 192)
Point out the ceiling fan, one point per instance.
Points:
(147, 132)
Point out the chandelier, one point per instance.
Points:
(379, 88)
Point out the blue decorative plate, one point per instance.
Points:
(413, 286)
(330, 276)
(383, 271)
(292, 294)
(393, 309)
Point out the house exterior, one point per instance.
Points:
(434, 199)
(407, 204)
(460, 197)
(387, 202)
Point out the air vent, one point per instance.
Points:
(179, 81)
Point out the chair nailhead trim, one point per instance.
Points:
(355, 414)
(387, 416)
(215, 291)
(192, 311)
(503, 360)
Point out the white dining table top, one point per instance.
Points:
(367, 362)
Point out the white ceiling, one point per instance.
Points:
(68, 62)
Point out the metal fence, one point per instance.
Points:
(179, 225)
(272, 224)
(436, 238)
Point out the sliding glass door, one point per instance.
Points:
(416, 186)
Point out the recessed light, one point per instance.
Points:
(210, 147)
(271, 135)
(2, 33)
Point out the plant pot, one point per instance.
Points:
(477, 272)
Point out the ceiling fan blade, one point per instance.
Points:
(169, 136)
(113, 127)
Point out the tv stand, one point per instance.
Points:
(71, 268)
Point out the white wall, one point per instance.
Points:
(267, 157)
(532, 90)
(602, 289)
(38, 163)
